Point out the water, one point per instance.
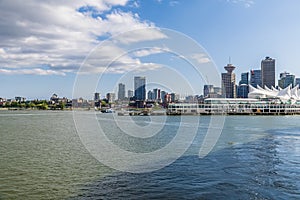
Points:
(42, 157)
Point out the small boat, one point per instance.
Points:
(110, 110)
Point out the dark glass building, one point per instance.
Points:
(298, 82)
(121, 91)
(242, 91)
(208, 89)
(286, 79)
(243, 88)
(140, 87)
(244, 78)
(268, 72)
(255, 78)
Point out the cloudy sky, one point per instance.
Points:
(45, 45)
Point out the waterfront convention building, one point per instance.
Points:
(260, 102)
(287, 95)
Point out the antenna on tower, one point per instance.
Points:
(229, 60)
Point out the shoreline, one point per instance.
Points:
(161, 113)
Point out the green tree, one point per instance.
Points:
(103, 103)
(22, 105)
(32, 105)
(62, 105)
(15, 104)
(42, 106)
(7, 104)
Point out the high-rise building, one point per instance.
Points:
(268, 72)
(96, 96)
(163, 94)
(298, 82)
(255, 78)
(111, 97)
(121, 91)
(218, 91)
(130, 93)
(140, 87)
(97, 99)
(244, 78)
(159, 94)
(286, 79)
(150, 95)
(156, 94)
(243, 88)
(242, 91)
(174, 97)
(228, 82)
(208, 89)
(167, 99)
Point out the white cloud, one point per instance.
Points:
(2, 51)
(201, 58)
(35, 71)
(110, 58)
(135, 4)
(149, 51)
(173, 3)
(246, 3)
(141, 67)
(44, 33)
(143, 34)
(120, 22)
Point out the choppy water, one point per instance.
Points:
(42, 157)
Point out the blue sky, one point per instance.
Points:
(43, 43)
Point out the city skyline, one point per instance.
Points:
(285, 78)
(251, 76)
(41, 51)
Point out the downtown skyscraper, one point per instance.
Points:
(244, 78)
(268, 72)
(243, 87)
(298, 82)
(129, 94)
(228, 82)
(286, 79)
(121, 91)
(208, 89)
(255, 78)
(140, 87)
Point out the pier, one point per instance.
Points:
(233, 107)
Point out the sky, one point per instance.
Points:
(74, 48)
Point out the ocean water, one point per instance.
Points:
(43, 157)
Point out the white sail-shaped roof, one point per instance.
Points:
(271, 91)
(274, 89)
(255, 92)
(294, 92)
(284, 95)
(268, 89)
(260, 88)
